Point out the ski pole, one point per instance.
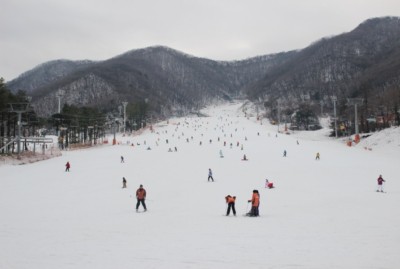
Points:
(247, 208)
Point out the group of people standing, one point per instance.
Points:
(255, 199)
(255, 203)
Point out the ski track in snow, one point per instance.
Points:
(322, 214)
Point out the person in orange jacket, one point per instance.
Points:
(255, 203)
(231, 204)
(141, 197)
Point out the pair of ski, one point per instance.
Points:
(244, 215)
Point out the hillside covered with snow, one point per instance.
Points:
(321, 214)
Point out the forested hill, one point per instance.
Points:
(363, 63)
(171, 81)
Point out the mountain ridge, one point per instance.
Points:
(359, 63)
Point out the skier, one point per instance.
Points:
(284, 153)
(380, 183)
(141, 197)
(221, 155)
(123, 183)
(244, 158)
(67, 166)
(255, 203)
(210, 175)
(122, 159)
(317, 156)
(231, 204)
(268, 184)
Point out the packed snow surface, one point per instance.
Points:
(322, 214)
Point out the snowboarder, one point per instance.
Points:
(380, 183)
(231, 204)
(317, 156)
(122, 159)
(210, 175)
(244, 158)
(141, 197)
(67, 167)
(255, 203)
(268, 184)
(123, 183)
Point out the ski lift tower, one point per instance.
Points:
(19, 108)
(59, 94)
(354, 102)
(124, 104)
(334, 100)
(278, 101)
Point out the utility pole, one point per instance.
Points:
(124, 104)
(334, 99)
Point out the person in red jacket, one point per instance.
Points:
(231, 204)
(141, 197)
(268, 184)
(67, 166)
(255, 203)
(380, 183)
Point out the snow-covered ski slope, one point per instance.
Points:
(322, 214)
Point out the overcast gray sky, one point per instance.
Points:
(35, 31)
